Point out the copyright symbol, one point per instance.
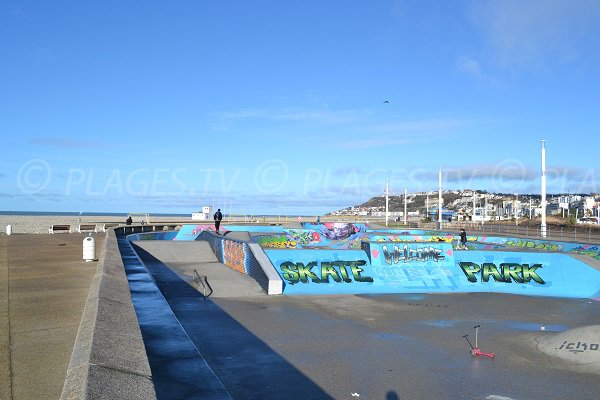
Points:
(271, 176)
(507, 174)
(34, 176)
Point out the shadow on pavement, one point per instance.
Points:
(245, 365)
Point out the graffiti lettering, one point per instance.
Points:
(507, 273)
(339, 271)
(415, 277)
(532, 245)
(407, 254)
(581, 347)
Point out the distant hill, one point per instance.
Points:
(415, 201)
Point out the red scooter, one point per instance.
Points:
(475, 350)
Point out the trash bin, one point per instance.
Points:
(89, 249)
(9, 229)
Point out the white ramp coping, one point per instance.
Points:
(275, 282)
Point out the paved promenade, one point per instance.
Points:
(44, 284)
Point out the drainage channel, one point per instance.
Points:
(178, 369)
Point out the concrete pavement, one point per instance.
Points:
(44, 284)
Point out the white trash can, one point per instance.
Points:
(89, 249)
(9, 230)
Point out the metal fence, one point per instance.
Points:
(561, 233)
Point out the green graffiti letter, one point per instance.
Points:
(490, 269)
(326, 270)
(290, 272)
(470, 269)
(305, 272)
(529, 273)
(512, 271)
(356, 270)
(344, 273)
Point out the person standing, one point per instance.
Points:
(218, 217)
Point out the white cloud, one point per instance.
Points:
(532, 33)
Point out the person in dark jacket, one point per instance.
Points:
(463, 239)
(128, 221)
(218, 217)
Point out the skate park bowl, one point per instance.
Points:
(394, 296)
(345, 258)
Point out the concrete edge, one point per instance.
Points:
(275, 285)
(109, 338)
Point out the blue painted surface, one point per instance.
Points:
(191, 231)
(535, 274)
(338, 258)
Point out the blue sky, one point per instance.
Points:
(278, 106)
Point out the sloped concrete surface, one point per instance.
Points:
(177, 251)
(579, 347)
(223, 281)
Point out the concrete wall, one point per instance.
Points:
(109, 358)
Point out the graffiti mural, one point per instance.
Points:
(587, 250)
(234, 255)
(530, 244)
(408, 254)
(580, 347)
(276, 241)
(191, 231)
(337, 230)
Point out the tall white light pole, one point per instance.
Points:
(387, 191)
(543, 225)
(405, 210)
(440, 201)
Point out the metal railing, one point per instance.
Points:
(202, 280)
(553, 232)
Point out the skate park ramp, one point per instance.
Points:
(177, 251)
(579, 348)
(186, 257)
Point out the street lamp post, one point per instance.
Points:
(405, 209)
(440, 201)
(543, 225)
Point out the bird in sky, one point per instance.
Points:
(387, 101)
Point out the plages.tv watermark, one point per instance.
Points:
(278, 176)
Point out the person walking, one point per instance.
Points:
(218, 217)
(463, 239)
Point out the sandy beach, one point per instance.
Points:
(39, 224)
